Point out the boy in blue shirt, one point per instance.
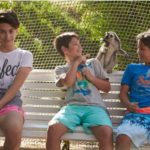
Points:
(135, 95)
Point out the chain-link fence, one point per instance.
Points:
(41, 21)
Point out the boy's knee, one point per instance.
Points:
(52, 130)
(103, 133)
(122, 138)
(123, 142)
(107, 131)
(56, 129)
(14, 130)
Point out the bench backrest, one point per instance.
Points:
(42, 99)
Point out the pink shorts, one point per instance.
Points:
(10, 108)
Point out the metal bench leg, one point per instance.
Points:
(66, 145)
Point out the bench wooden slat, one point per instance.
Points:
(39, 93)
(36, 85)
(75, 136)
(41, 109)
(33, 101)
(60, 94)
(54, 110)
(29, 133)
(44, 117)
(56, 102)
(49, 86)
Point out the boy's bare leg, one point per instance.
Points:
(54, 134)
(11, 125)
(104, 136)
(123, 142)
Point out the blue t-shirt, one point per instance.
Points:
(137, 77)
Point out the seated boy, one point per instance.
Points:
(135, 95)
(83, 104)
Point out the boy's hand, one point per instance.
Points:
(81, 59)
(87, 73)
(132, 107)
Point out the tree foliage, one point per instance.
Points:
(41, 21)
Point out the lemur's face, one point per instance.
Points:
(110, 37)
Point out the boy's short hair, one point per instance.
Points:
(64, 40)
(10, 17)
(144, 37)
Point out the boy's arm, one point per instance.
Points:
(21, 76)
(100, 84)
(70, 77)
(132, 107)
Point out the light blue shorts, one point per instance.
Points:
(86, 116)
(137, 127)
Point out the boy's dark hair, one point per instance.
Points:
(144, 37)
(10, 17)
(64, 40)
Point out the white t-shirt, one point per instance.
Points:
(10, 62)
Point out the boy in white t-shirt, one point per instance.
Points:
(15, 66)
